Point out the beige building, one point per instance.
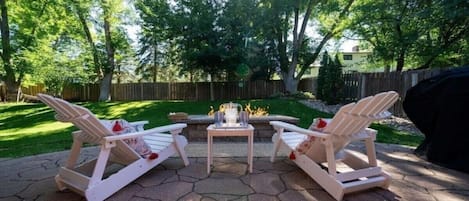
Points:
(352, 61)
(355, 59)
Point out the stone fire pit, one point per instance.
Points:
(196, 130)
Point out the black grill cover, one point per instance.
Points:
(439, 107)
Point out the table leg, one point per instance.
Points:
(209, 152)
(250, 150)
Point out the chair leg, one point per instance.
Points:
(74, 153)
(371, 152)
(100, 166)
(180, 149)
(59, 183)
(276, 139)
(331, 163)
(179, 143)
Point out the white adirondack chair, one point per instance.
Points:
(349, 124)
(90, 179)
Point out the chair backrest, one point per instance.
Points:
(81, 117)
(91, 127)
(352, 119)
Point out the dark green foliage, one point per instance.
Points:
(330, 81)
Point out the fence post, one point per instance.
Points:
(212, 97)
(362, 86)
(196, 90)
(414, 79)
(169, 91)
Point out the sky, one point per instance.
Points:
(347, 45)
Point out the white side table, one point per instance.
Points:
(231, 131)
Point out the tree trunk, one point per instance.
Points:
(154, 68)
(212, 91)
(400, 62)
(387, 68)
(12, 85)
(426, 65)
(290, 79)
(291, 84)
(105, 87)
(89, 38)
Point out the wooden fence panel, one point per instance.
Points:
(308, 85)
(33, 89)
(172, 91)
(148, 91)
(357, 86)
(72, 92)
(203, 91)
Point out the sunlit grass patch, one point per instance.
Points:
(40, 129)
(392, 136)
(29, 129)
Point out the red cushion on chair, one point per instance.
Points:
(117, 127)
(153, 156)
(318, 125)
(121, 126)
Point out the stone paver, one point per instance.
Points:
(32, 178)
(167, 191)
(227, 186)
(265, 183)
(299, 180)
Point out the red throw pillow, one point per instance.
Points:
(121, 126)
(318, 125)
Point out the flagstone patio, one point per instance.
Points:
(32, 178)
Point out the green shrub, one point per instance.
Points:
(330, 81)
(297, 95)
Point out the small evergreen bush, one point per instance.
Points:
(330, 80)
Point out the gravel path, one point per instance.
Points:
(397, 123)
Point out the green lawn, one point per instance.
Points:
(29, 129)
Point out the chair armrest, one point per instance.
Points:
(138, 125)
(160, 129)
(294, 128)
(365, 134)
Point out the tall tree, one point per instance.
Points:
(237, 32)
(108, 7)
(102, 18)
(295, 56)
(10, 78)
(155, 37)
(412, 32)
(200, 37)
(124, 56)
(27, 27)
(82, 10)
(447, 22)
(390, 27)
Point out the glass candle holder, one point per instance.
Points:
(218, 118)
(244, 118)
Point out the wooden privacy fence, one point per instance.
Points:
(179, 91)
(359, 85)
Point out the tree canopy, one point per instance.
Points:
(56, 42)
(421, 34)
